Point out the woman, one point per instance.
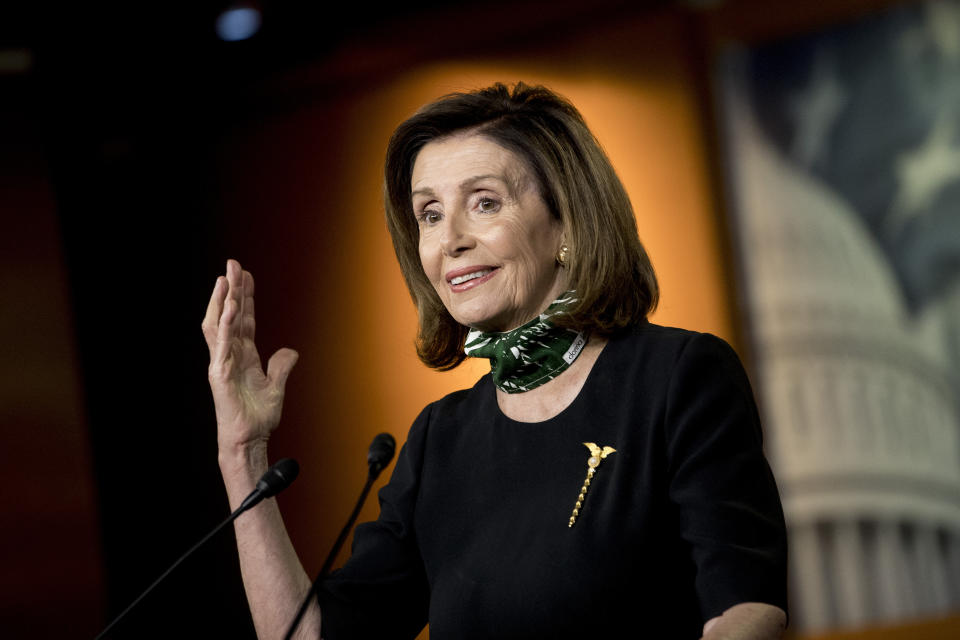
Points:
(606, 477)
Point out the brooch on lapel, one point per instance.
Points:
(597, 455)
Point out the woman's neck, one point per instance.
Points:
(550, 398)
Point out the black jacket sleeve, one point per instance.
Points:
(727, 499)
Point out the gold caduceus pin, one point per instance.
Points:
(596, 456)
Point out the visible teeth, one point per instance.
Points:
(469, 276)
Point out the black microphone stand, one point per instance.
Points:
(375, 469)
(233, 516)
(277, 478)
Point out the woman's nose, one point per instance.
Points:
(457, 236)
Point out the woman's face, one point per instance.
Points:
(488, 243)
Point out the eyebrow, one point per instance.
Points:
(466, 184)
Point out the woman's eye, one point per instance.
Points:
(430, 216)
(488, 205)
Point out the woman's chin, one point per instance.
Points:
(480, 322)
(491, 314)
(492, 325)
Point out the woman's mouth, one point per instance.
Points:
(470, 276)
(464, 279)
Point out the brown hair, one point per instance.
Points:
(607, 265)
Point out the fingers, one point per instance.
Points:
(230, 316)
(215, 307)
(247, 319)
(279, 367)
(211, 319)
(234, 296)
(222, 322)
(226, 331)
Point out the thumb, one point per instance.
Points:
(280, 365)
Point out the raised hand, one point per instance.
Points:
(248, 401)
(248, 404)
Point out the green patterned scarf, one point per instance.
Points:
(530, 355)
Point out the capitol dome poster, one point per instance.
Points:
(841, 152)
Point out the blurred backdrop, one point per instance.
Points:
(794, 170)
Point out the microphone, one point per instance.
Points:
(276, 479)
(381, 452)
(378, 457)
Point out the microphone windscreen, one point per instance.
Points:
(278, 477)
(381, 450)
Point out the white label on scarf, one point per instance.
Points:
(575, 348)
